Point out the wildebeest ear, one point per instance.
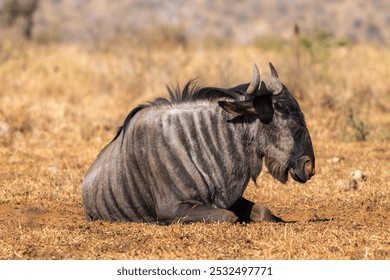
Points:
(238, 108)
(263, 107)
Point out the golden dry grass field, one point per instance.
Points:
(60, 105)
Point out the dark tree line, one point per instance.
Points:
(12, 10)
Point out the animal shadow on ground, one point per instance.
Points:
(243, 209)
(316, 219)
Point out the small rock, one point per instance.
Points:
(335, 159)
(53, 169)
(4, 129)
(357, 177)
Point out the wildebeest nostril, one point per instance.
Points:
(309, 168)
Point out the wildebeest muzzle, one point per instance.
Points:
(303, 170)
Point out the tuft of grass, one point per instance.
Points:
(317, 46)
(354, 129)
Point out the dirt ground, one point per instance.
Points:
(55, 117)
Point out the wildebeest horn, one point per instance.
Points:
(273, 71)
(255, 80)
(273, 84)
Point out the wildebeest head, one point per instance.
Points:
(286, 144)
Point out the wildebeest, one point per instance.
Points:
(189, 157)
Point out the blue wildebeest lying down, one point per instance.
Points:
(189, 158)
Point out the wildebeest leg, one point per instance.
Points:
(247, 211)
(192, 212)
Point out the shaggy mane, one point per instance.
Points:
(191, 92)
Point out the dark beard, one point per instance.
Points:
(277, 170)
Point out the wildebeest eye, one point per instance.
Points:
(280, 110)
(295, 128)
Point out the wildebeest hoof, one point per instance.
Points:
(223, 216)
(260, 213)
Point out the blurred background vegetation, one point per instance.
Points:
(231, 20)
(333, 55)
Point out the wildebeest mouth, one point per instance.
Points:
(296, 177)
(280, 172)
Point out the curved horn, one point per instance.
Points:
(255, 80)
(273, 71)
(274, 85)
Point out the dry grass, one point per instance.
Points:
(60, 104)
